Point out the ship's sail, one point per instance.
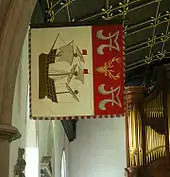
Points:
(80, 74)
(77, 50)
(73, 70)
(66, 53)
(53, 73)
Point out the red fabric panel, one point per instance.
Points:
(108, 69)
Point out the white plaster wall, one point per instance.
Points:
(99, 149)
(31, 134)
(19, 106)
(61, 142)
(40, 134)
(42, 137)
(51, 141)
(32, 150)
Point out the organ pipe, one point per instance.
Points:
(155, 140)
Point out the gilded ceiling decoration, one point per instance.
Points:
(146, 27)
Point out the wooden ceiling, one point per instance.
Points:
(146, 27)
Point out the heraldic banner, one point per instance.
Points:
(76, 72)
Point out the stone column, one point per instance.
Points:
(14, 19)
(7, 134)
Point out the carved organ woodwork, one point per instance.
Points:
(146, 127)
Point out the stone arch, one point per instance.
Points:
(14, 21)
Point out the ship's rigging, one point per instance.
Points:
(59, 68)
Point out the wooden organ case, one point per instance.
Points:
(147, 131)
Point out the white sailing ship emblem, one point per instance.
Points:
(58, 69)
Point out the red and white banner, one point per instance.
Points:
(77, 72)
(108, 69)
